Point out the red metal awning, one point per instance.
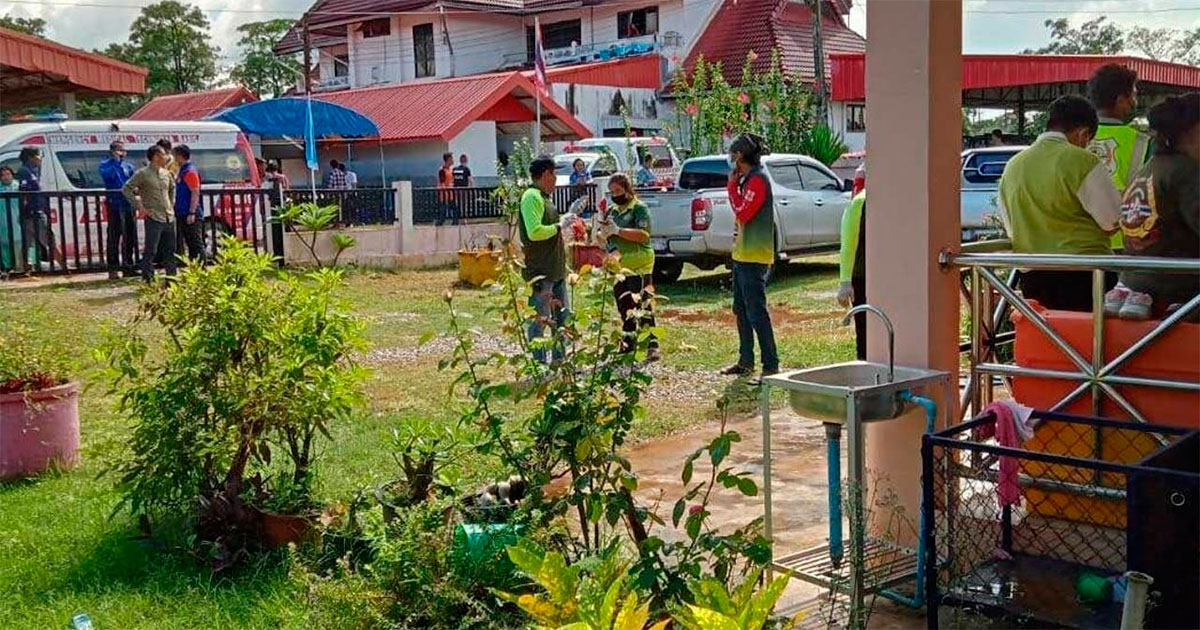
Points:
(194, 105)
(442, 109)
(994, 79)
(36, 71)
(643, 71)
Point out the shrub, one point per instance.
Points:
(308, 220)
(29, 361)
(249, 374)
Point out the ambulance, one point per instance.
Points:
(73, 150)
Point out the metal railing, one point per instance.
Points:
(985, 280)
(356, 206)
(60, 232)
(441, 206)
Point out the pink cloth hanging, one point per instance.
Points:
(1011, 429)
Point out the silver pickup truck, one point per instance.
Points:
(981, 171)
(694, 223)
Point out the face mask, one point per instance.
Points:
(620, 200)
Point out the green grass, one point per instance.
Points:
(61, 554)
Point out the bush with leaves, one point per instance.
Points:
(30, 360)
(250, 373)
(308, 220)
(746, 607)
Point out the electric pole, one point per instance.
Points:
(307, 58)
(819, 61)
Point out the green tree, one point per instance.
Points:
(1166, 44)
(30, 26)
(260, 70)
(171, 40)
(1094, 37)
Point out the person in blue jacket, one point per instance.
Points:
(121, 250)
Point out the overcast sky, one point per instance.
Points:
(990, 26)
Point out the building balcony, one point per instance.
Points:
(329, 84)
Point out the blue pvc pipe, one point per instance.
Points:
(833, 453)
(918, 598)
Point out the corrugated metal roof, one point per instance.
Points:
(35, 70)
(763, 26)
(193, 105)
(441, 109)
(1000, 71)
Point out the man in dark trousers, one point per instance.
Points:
(545, 255)
(152, 190)
(462, 174)
(189, 213)
(753, 254)
(852, 263)
(122, 221)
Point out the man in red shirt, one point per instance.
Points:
(753, 254)
(445, 184)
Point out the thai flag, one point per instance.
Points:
(539, 57)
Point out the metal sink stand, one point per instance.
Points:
(876, 565)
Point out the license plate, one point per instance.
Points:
(659, 244)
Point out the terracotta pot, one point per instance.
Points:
(281, 529)
(39, 430)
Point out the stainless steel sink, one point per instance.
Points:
(825, 393)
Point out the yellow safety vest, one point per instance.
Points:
(1123, 150)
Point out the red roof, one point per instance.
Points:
(643, 71)
(763, 26)
(441, 109)
(34, 71)
(193, 105)
(985, 72)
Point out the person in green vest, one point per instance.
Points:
(1056, 197)
(545, 257)
(627, 232)
(1120, 146)
(853, 267)
(753, 254)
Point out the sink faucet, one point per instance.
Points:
(890, 331)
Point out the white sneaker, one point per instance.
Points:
(1137, 306)
(1115, 299)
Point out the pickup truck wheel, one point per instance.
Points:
(667, 271)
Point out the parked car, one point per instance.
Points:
(626, 152)
(598, 165)
(695, 224)
(981, 171)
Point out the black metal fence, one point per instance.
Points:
(57, 232)
(357, 206)
(441, 206)
(1041, 534)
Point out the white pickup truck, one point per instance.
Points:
(694, 223)
(981, 171)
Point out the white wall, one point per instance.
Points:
(478, 141)
(855, 140)
(374, 60)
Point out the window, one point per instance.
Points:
(423, 51)
(618, 106)
(986, 167)
(637, 23)
(786, 175)
(380, 27)
(216, 166)
(604, 166)
(555, 35)
(660, 155)
(817, 179)
(709, 173)
(856, 117)
(341, 65)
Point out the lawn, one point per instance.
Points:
(61, 551)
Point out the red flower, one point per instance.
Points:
(695, 508)
(743, 98)
(691, 109)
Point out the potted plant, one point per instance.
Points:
(478, 266)
(420, 458)
(39, 406)
(228, 412)
(343, 536)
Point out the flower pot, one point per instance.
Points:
(586, 255)
(389, 502)
(477, 267)
(358, 550)
(279, 530)
(39, 430)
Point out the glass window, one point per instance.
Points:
(341, 65)
(604, 166)
(379, 27)
(817, 179)
(423, 50)
(711, 173)
(785, 175)
(637, 23)
(555, 35)
(660, 154)
(216, 166)
(986, 167)
(856, 117)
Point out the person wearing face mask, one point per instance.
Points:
(1056, 197)
(627, 230)
(753, 254)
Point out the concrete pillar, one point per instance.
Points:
(66, 103)
(914, 103)
(404, 217)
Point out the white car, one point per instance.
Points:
(599, 167)
(981, 171)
